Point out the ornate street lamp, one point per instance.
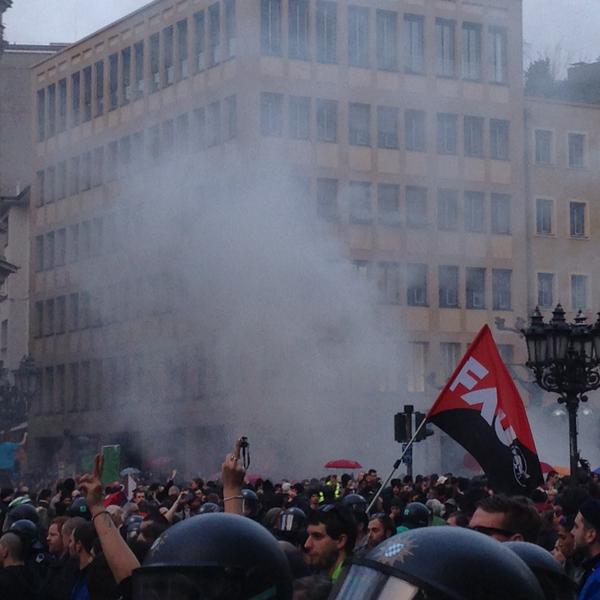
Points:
(564, 358)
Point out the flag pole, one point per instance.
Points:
(396, 464)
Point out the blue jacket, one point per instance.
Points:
(591, 587)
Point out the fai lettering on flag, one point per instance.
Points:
(480, 407)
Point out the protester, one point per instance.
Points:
(586, 537)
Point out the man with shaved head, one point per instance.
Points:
(15, 580)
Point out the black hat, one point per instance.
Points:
(590, 511)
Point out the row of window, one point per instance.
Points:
(400, 40)
(210, 125)
(120, 381)
(414, 211)
(392, 278)
(388, 124)
(545, 152)
(124, 76)
(545, 218)
(579, 290)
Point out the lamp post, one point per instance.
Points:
(564, 358)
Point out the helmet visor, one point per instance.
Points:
(194, 584)
(364, 583)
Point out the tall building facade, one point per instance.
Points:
(404, 123)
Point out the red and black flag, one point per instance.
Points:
(480, 407)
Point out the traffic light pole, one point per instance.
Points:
(397, 464)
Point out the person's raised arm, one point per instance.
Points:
(23, 442)
(171, 512)
(232, 476)
(121, 560)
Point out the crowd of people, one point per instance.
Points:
(433, 537)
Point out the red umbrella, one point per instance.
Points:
(343, 463)
(546, 468)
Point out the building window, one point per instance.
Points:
(50, 185)
(41, 192)
(87, 94)
(474, 136)
(414, 130)
(448, 286)
(49, 251)
(576, 150)
(62, 105)
(579, 286)
(447, 133)
(168, 61)
(417, 373)
(416, 285)
(39, 320)
(501, 214)
(298, 29)
(74, 176)
(498, 55)
(361, 268)
(499, 139)
(545, 290)
(388, 204)
(471, 51)
(327, 199)
(230, 28)
(271, 114)
(99, 72)
(387, 127)
(214, 34)
(326, 31)
(447, 214)
(98, 167)
(39, 253)
(61, 248)
(445, 47)
(113, 81)
(213, 129)
(271, 27)
(414, 43)
(48, 387)
(450, 355)
(49, 317)
(230, 118)
(75, 98)
(474, 212)
(86, 171)
(543, 147)
(475, 288)
(61, 180)
(41, 115)
(387, 40)
(501, 289)
(126, 76)
(199, 137)
(577, 219)
(358, 36)
(327, 111)
(74, 387)
(416, 207)
(543, 216)
(360, 203)
(388, 282)
(182, 50)
(139, 69)
(154, 62)
(51, 110)
(60, 389)
(299, 121)
(359, 124)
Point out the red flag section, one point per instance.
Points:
(480, 407)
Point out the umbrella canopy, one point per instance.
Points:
(546, 468)
(343, 463)
(129, 471)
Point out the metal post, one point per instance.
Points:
(572, 402)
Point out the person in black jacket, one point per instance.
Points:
(16, 580)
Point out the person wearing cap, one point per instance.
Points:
(586, 536)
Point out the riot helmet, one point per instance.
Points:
(250, 504)
(218, 556)
(555, 583)
(438, 563)
(355, 502)
(19, 512)
(79, 508)
(291, 525)
(209, 507)
(416, 515)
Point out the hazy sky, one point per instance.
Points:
(570, 25)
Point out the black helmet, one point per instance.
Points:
(132, 524)
(415, 515)
(209, 507)
(549, 572)
(355, 502)
(79, 508)
(292, 519)
(215, 556)
(20, 512)
(28, 533)
(452, 563)
(250, 504)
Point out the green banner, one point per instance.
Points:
(112, 463)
